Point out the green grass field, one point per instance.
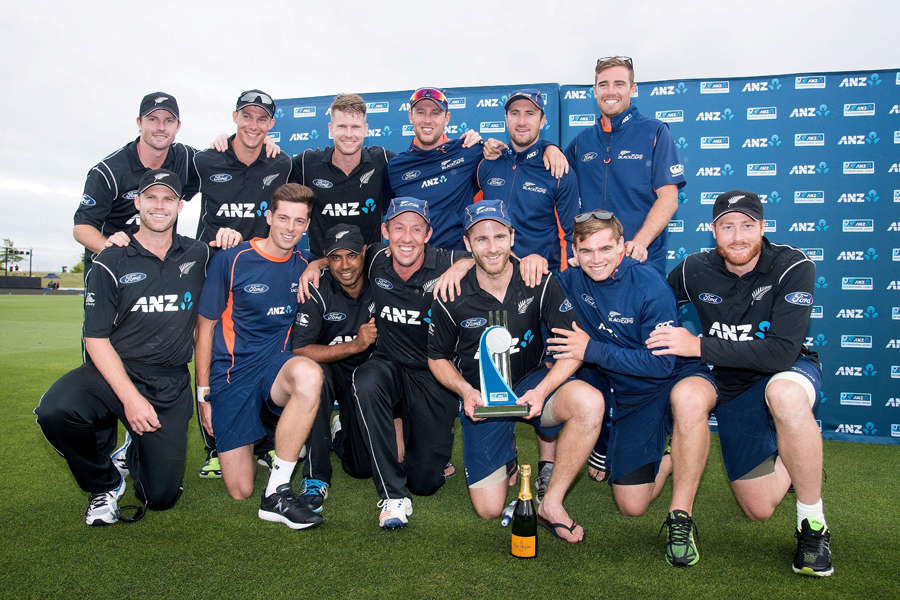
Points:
(210, 546)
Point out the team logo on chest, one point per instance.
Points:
(524, 304)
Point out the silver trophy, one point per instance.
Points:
(496, 389)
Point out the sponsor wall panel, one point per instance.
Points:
(823, 151)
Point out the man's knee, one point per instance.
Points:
(421, 482)
(164, 499)
(692, 399)
(581, 403)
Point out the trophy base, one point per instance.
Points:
(504, 410)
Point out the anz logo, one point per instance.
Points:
(400, 315)
(434, 181)
(162, 303)
(280, 310)
(244, 210)
(341, 209)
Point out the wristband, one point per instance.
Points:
(201, 397)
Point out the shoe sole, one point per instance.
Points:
(209, 475)
(393, 523)
(681, 565)
(277, 518)
(101, 522)
(811, 572)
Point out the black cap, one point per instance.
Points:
(740, 201)
(344, 237)
(159, 101)
(160, 177)
(256, 98)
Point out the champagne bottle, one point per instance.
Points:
(524, 522)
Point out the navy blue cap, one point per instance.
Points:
(407, 204)
(526, 94)
(486, 209)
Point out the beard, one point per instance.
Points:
(492, 270)
(739, 260)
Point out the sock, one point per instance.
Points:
(281, 474)
(541, 464)
(810, 511)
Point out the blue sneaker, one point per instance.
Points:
(313, 493)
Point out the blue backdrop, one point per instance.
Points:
(822, 150)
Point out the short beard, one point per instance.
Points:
(729, 257)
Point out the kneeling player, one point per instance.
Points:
(244, 358)
(139, 316)
(554, 398)
(336, 329)
(620, 301)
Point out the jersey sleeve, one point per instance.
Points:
(100, 299)
(658, 310)
(309, 320)
(556, 310)
(782, 337)
(570, 153)
(214, 297)
(568, 205)
(98, 197)
(442, 332)
(192, 178)
(676, 279)
(666, 166)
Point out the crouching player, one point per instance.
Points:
(620, 301)
(244, 358)
(555, 399)
(139, 314)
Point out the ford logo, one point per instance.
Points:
(335, 316)
(132, 278)
(322, 183)
(256, 288)
(220, 177)
(130, 195)
(589, 156)
(473, 323)
(88, 201)
(710, 298)
(496, 181)
(383, 283)
(799, 298)
(565, 306)
(589, 300)
(409, 175)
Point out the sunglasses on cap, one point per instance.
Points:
(428, 94)
(256, 97)
(603, 215)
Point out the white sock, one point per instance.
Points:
(281, 474)
(810, 511)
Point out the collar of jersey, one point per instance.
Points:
(616, 121)
(520, 156)
(415, 143)
(256, 243)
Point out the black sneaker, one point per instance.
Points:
(284, 507)
(681, 551)
(542, 481)
(813, 555)
(313, 493)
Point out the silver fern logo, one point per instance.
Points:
(365, 177)
(429, 286)
(185, 268)
(760, 292)
(268, 179)
(523, 305)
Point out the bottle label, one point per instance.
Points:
(523, 547)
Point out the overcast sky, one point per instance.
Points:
(73, 73)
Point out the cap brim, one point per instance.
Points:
(755, 217)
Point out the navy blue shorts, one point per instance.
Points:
(235, 406)
(488, 444)
(746, 429)
(641, 424)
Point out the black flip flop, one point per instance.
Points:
(551, 527)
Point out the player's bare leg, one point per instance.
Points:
(691, 401)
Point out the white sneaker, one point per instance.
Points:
(394, 513)
(103, 508)
(335, 426)
(118, 457)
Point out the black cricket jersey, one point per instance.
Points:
(354, 199)
(457, 325)
(111, 187)
(236, 195)
(755, 325)
(403, 308)
(333, 317)
(147, 307)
